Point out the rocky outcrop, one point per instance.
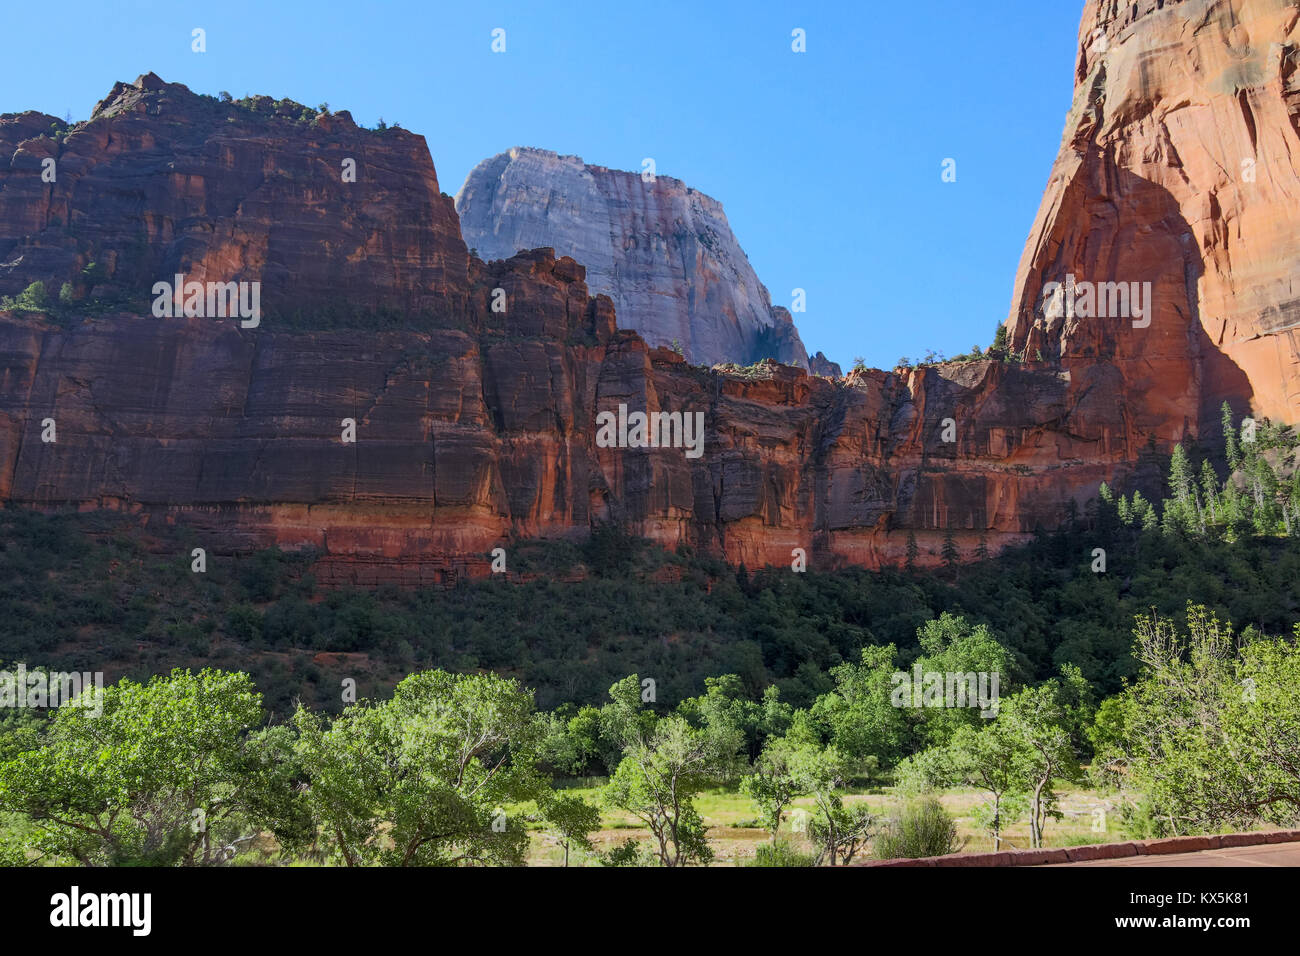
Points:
(819, 364)
(663, 252)
(466, 438)
(1178, 168)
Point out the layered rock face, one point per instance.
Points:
(663, 252)
(1178, 168)
(163, 181)
(475, 389)
(465, 438)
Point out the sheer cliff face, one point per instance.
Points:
(163, 181)
(663, 252)
(1178, 168)
(473, 423)
(476, 412)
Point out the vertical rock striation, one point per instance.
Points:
(1178, 167)
(663, 252)
(476, 424)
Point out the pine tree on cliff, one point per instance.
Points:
(1210, 490)
(1150, 520)
(1180, 474)
(1180, 511)
(1232, 451)
(912, 551)
(951, 556)
(1001, 340)
(982, 548)
(1107, 513)
(1125, 510)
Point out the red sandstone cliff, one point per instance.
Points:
(1178, 167)
(475, 424)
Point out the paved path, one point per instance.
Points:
(1270, 854)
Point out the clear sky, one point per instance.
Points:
(828, 162)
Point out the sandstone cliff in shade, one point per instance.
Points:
(663, 252)
(1178, 167)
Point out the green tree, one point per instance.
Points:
(725, 701)
(34, 298)
(951, 556)
(986, 759)
(424, 778)
(951, 645)
(859, 714)
(571, 821)
(1210, 492)
(172, 772)
(774, 782)
(839, 831)
(1231, 448)
(1209, 731)
(666, 763)
(1038, 723)
(1001, 338)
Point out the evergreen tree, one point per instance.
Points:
(1106, 513)
(1138, 510)
(1001, 340)
(1231, 449)
(1125, 511)
(912, 551)
(1150, 521)
(951, 556)
(1210, 490)
(1180, 474)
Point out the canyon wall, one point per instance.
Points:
(475, 386)
(1178, 168)
(663, 252)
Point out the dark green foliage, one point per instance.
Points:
(951, 556)
(77, 590)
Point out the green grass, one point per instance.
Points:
(735, 832)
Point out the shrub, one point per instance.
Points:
(32, 299)
(628, 853)
(780, 854)
(923, 828)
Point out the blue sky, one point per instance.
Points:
(828, 162)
